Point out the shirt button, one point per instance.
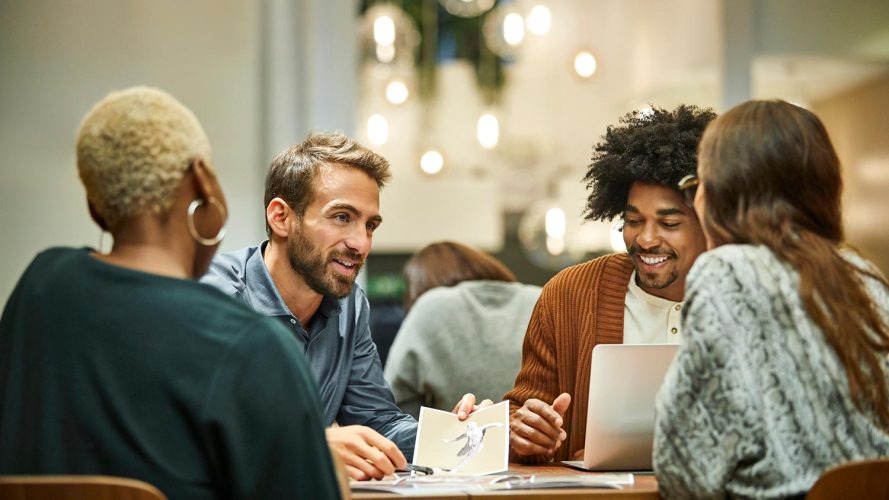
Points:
(674, 330)
(678, 307)
(293, 321)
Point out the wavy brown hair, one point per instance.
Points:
(291, 176)
(771, 177)
(447, 263)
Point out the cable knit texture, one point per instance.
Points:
(757, 404)
(580, 307)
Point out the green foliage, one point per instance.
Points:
(437, 27)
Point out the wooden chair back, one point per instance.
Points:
(76, 488)
(865, 479)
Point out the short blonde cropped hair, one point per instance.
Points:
(133, 148)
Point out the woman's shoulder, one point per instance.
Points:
(740, 261)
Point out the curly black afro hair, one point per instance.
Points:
(657, 147)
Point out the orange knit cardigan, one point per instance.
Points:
(580, 307)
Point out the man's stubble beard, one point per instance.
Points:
(311, 266)
(651, 280)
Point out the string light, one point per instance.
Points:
(585, 64)
(513, 28)
(431, 162)
(539, 20)
(377, 130)
(397, 92)
(488, 131)
(384, 30)
(385, 53)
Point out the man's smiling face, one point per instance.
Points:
(331, 241)
(663, 238)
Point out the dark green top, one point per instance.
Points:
(105, 370)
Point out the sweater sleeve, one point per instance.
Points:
(537, 378)
(262, 420)
(706, 423)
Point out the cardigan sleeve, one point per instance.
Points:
(537, 377)
(706, 422)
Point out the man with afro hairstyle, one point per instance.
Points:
(632, 298)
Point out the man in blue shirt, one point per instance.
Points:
(322, 201)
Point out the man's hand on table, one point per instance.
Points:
(466, 406)
(365, 453)
(536, 427)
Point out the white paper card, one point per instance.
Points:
(475, 446)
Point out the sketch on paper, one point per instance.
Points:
(478, 445)
(474, 437)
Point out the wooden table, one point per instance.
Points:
(644, 487)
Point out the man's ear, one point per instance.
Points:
(96, 217)
(279, 216)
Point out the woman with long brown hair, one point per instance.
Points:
(784, 372)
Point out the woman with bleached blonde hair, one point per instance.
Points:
(121, 364)
(784, 370)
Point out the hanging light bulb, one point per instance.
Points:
(385, 53)
(539, 20)
(384, 30)
(431, 162)
(554, 225)
(513, 28)
(396, 92)
(554, 222)
(467, 8)
(488, 131)
(388, 34)
(504, 30)
(377, 130)
(585, 64)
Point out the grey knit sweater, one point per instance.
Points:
(459, 339)
(756, 403)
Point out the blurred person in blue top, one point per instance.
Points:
(322, 206)
(784, 370)
(121, 364)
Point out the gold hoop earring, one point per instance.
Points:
(208, 242)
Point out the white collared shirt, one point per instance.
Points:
(649, 319)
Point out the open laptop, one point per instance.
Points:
(624, 379)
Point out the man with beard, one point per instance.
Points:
(631, 298)
(322, 200)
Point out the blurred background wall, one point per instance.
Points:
(260, 74)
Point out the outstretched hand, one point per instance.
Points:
(365, 453)
(467, 405)
(536, 427)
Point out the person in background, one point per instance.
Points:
(631, 298)
(322, 200)
(784, 369)
(121, 364)
(466, 317)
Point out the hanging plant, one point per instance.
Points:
(442, 37)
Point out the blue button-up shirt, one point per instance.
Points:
(336, 342)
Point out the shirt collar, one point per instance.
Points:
(264, 294)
